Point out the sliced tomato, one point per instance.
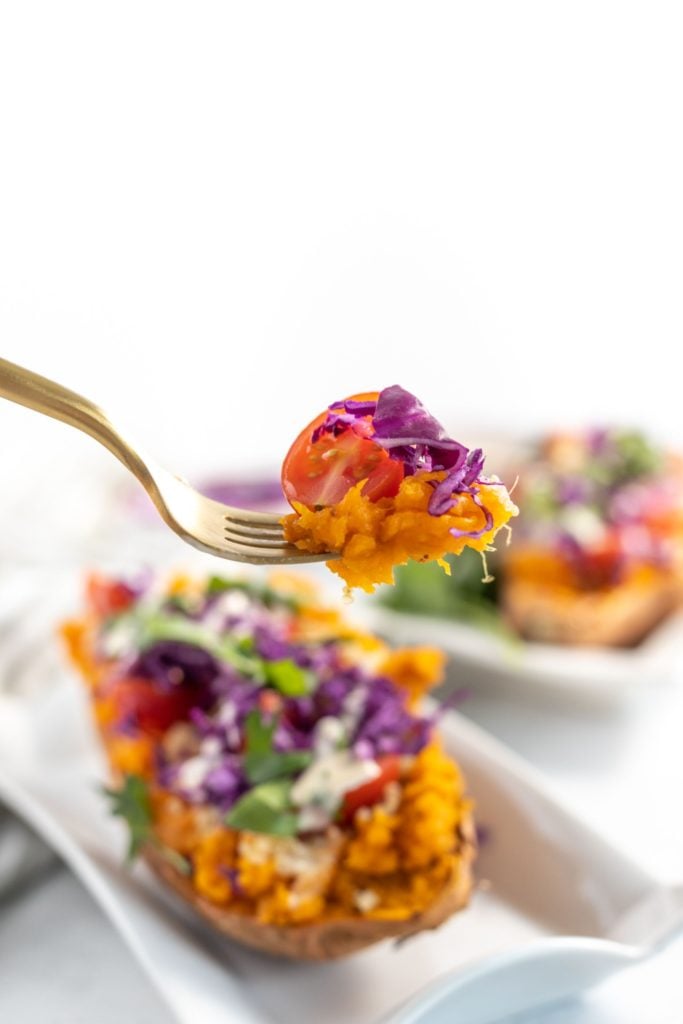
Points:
(147, 707)
(599, 565)
(371, 792)
(107, 597)
(385, 479)
(320, 473)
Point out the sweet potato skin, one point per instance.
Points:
(620, 616)
(328, 939)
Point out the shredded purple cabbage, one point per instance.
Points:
(170, 663)
(401, 420)
(461, 481)
(342, 415)
(362, 408)
(388, 727)
(224, 783)
(374, 711)
(457, 481)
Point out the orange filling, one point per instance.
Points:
(398, 860)
(374, 536)
(543, 568)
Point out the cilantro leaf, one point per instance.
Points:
(258, 734)
(265, 808)
(132, 803)
(263, 767)
(261, 762)
(241, 658)
(287, 677)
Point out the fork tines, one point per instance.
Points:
(258, 537)
(265, 532)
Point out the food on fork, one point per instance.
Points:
(274, 764)
(377, 479)
(597, 557)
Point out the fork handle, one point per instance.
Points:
(51, 399)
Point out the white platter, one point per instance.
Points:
(543, 874)
(597, 674)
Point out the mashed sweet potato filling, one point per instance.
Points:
(390, 864)
(374, 536)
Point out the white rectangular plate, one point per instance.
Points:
(592, 674)
(542, 873)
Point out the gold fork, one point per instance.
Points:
(222, 530)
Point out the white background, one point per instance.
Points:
(217, 218)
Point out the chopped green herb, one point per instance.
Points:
(258, 734)
(261, 762)
(132, 803)
(287, 677)
(264, 767)
(241, 657)
(266, 808)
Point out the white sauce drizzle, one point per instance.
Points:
(328, 735)
(325, 782)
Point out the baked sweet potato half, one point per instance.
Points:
(597, 555)
(274, 765)
(329, 938)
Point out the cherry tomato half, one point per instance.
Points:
(320, 473)
(152, 710)
(599, 565)
(107, 597)
(373, 791)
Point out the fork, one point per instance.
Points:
(238, 534)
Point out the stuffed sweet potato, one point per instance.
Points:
(597, 557)
(273, 764)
